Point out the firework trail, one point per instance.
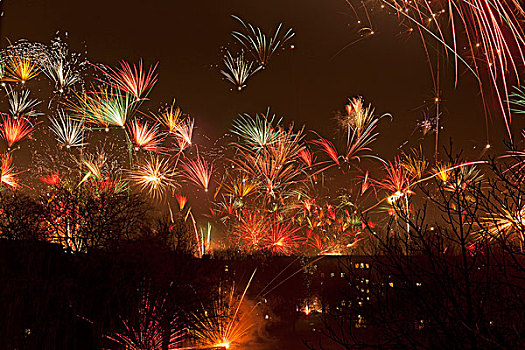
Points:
(490, 31)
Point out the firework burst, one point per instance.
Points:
(155, 176)
(133, 80)
(104, 107)
(151, 327)
(171, 118)
(19, 67)
(69, 132)
(184, 133)
(146, 137)
(238, 70)
(198, 171)
(227, 323)
(258, 43)
(21, 104)
(15, 129)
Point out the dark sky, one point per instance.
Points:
(305, 85)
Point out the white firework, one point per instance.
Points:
(69, 132)
(239, 70)
(21, 104)
(59, 66)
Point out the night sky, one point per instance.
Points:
(305, 85)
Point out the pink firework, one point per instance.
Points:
(198, 171)
(133, 80)
(145, 137)
(15, 129)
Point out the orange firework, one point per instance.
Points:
(155, 176)
(20, 68)
(170, 118)
(52, 179)
(8, 175)
(15, 129)
(251, 230)
(228, 323)
(182, 200)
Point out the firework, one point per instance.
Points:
(429, 122)
(275, 166)
(463, 178)
(104, 107)
(257, 131)
(155, 176)
(151, 326)
(93, 165)
(328, 148)
(398, 180)
(238, 70)
(360, 128)
(415, 163)
(357, 116)
(282, 238)
(146, 137)
(21, 104)
(19, 67)
(15, 129)
(442, 171)
(53, 179)
(184, 134)
(69, 132)
(198, 171)
(108, 185)
(171, 118)
(181, 200)
(494, 37)
(517, 100)
(134, 81)
(251, 230)
(257, 42)
(238, 187)
(8, 173)
(307, 157)
(59, 66)
(505, 223)
(227, 323)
